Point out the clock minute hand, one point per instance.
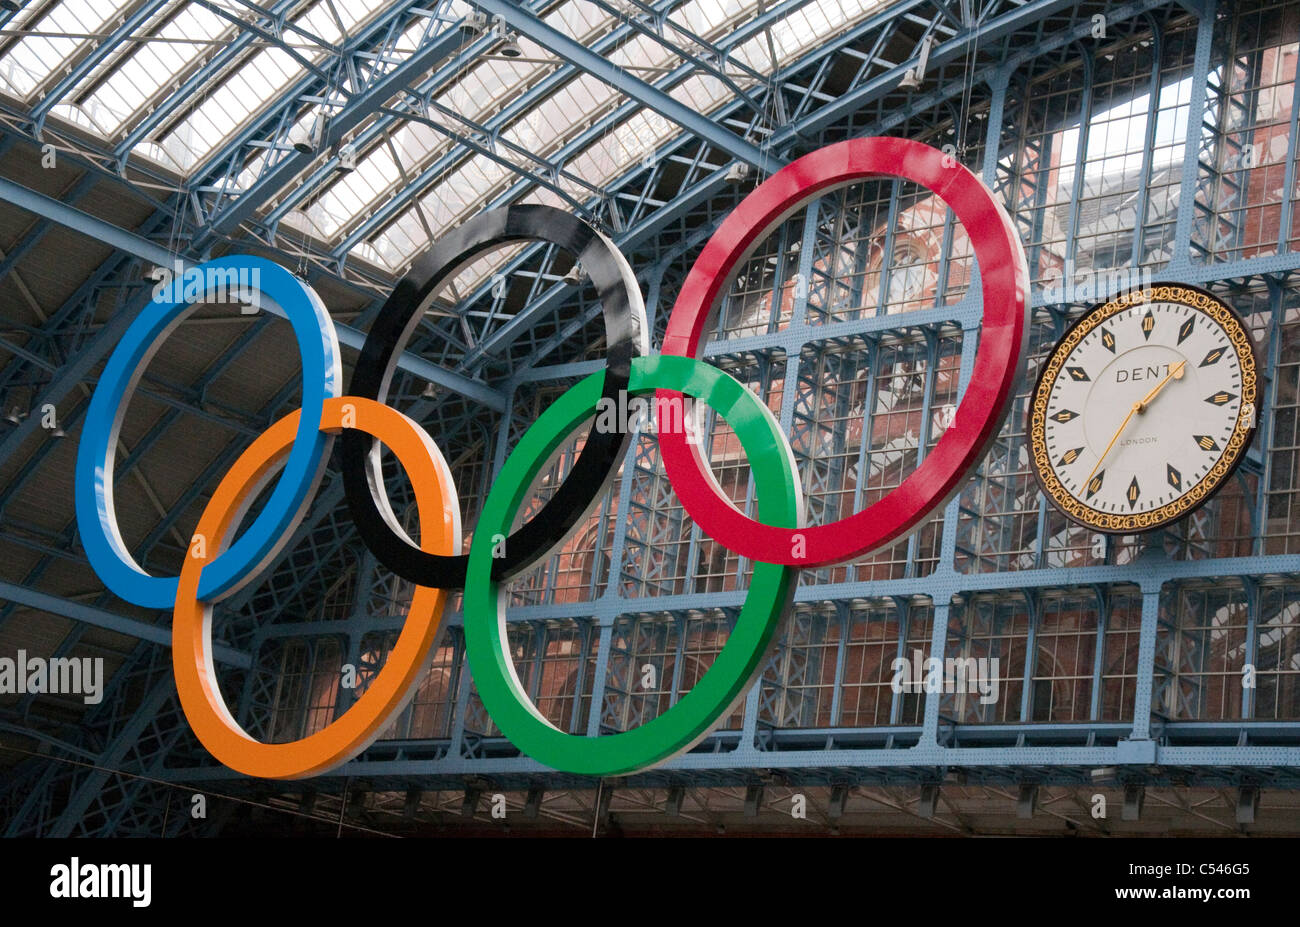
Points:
(1137, 407)
(1175, 374)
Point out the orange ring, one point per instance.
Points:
(356, 729)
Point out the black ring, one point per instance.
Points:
(626, 337)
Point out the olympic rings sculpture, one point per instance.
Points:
(293, 453)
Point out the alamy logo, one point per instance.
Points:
(103, 880)
(648, 416)
(82, 676)
(209, 284)
(1070, 284)
(951, 676)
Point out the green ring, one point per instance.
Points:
(780, 502)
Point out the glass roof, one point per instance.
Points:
(132, 92)
(32, 59)
(551, 123)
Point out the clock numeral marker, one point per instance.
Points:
(1175, 478)
(1148, 325)
(1094, 484)
(1078, 373)
(1133, 493)
(1108, 340)
(1065, 415)
(1070, 456)
(1220, 398)
(1185, 330)
(1212, 357)
(1206, 443)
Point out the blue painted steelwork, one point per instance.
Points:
(92, 59)
(378, 34)
(710, 182)
(378, 128)
(1231, 749)
(436, 47)
(98, 617)
(631, 86)
(1130, 744)
(198, 80)
(48, 208)
(132, 244)
(886, 23)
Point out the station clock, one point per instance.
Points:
(1144, 408)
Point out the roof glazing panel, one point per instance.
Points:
(557, 119)
(462, 126)
(130, 86)
(52, 39)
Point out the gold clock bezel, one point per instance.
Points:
(1235, 449)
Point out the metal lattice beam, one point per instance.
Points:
(667, 106)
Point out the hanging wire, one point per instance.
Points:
(322, 119)
(622, 20)
(772, 110)
(968, 81)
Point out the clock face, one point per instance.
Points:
(1144, 408)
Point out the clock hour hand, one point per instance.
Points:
(1175, 374)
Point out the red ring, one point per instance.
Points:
(1004, 278)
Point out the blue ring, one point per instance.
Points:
(322, 377)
